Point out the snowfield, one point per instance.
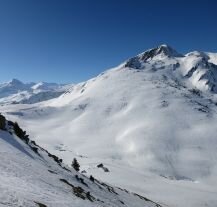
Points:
(151, 121)
(31, 176)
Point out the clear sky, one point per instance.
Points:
(72, 41)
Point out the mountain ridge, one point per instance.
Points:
(198, 68)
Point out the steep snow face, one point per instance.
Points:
(212, 57)
(155, 113)
(200, 71)
(31, 176)
(16, 91)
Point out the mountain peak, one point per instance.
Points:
(15, 81)
(163, 50)
(157, 53)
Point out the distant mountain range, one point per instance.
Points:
(16, 91)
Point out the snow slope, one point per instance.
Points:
(151, 121)
(16, 92)
(31, 176)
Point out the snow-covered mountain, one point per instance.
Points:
(31, 176)
(196, 69)
(151, 121)
(16, 91)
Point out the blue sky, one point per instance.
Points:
(71, 41)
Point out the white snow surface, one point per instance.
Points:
(151, 121)
(28, 178)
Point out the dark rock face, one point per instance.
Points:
(133, 63)
(2, 122)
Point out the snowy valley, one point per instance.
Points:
(150, 122)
